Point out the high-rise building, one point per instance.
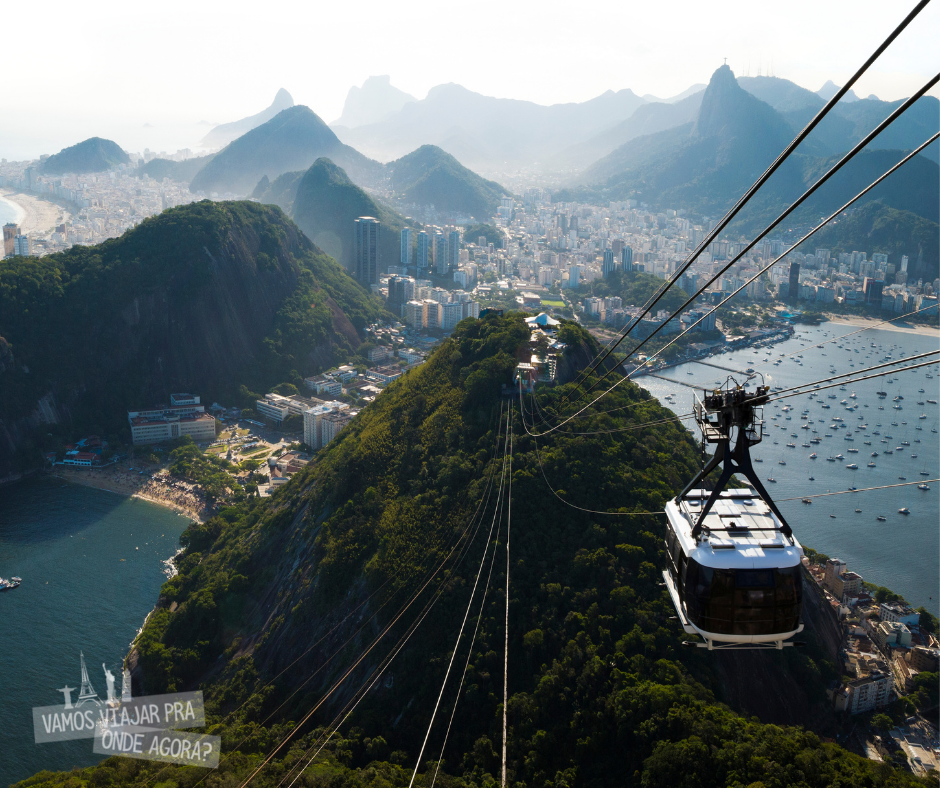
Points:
(367, 270)
(406, 246)
(626, 259)
(873, 291)
(21, 245)
(10, 231)
(424, 252)
(903, 258)
(453, 249)
(440, 253)
(794, 282)
(609, 267)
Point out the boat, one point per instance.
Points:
(922, 416)
(913, 456)
(852, 466)
(771, 479)
(812, 478)
(791, 445)
(9, 585)
(832, 516)
(853, 451)
(923, 486)
(931, 402)
(858, 511)
(902, 478)
(782, 462)
(881, 518)
(870, 465)
(807, 500)
(904, 510)
(840, 457)
(874, 454)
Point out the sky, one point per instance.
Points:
(159, 75)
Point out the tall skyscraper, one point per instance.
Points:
(10, 231)
(794, 292)
(21, 245)
(626, 259)
(424, 252)
(406, 246)
(453, 249)
(609, 266)
(440, 253)
(367, 270)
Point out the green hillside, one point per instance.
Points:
(430, 176)
(292, 140)
(93, 155)
(203, 298)
(276, 599)
(326, 205)
(183, 171)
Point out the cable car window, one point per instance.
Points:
(754, 578)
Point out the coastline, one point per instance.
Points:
(869, 322)
(119, 481)
(34, 215)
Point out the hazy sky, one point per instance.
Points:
(105, 67)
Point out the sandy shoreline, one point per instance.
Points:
(34, 214)
(121, 480)
(868, 322)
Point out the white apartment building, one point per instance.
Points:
(316, 435)
(184, 416)
(322, 384)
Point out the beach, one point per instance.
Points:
(869, 322)
(34, 215)
(163, 490)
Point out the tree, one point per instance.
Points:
(882, 722)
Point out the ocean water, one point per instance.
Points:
(8, 212)
(902, 553)
(92, 563)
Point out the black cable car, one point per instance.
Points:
(733, 566)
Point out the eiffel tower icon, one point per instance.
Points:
(86, 693)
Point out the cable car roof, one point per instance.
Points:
(740, 531)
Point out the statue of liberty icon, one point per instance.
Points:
(86, 693)
(109, 677)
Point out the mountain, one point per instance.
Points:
(704, 166)
(182, 171)
(92, 155)
(326, 205)
(648, 119)
(373, 102)
(201, 298)
(880, 229)
(711, 160)
(292, 140)
(430, 176)
(698, 87)
(828, 90)
(847, 123)
(488, 133)
(339, 597)
(222, 135)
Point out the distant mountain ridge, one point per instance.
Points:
(291, 140)
(374, 101)
(92, 155)
(222, 135)
(183, 171)
(431, 176)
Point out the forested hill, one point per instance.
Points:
(202, 298)
(92, 155)
(278, 599)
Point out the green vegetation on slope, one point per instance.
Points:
(493, 234)
(183, 171)
(326, 205)
(92, 155)
(598, 695)
(431, 176)
(202, 298)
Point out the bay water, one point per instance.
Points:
(902, 552)
(92, 563)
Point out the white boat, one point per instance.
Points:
(904, 510)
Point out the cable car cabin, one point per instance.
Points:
(737, 583)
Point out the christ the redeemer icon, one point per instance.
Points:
(67, 694)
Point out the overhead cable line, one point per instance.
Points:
(375, 642)
(793, 206)
(856, 380)
(469, 603)
(728, 217)
(506, 627)
(846, 158)
(851, 492)
(770, 265)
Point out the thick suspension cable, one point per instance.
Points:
(851, 492)
(767, 174)
(506, 625)
(818, 387)
(469, 605)
(793, 206)
(774, 262)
